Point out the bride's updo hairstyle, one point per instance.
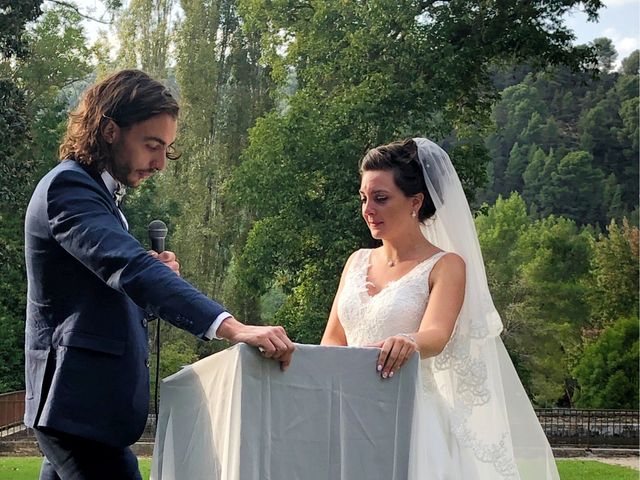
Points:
(401, 158)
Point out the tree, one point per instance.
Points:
(31, 117)
(175, 355)
(631, 64)
(366, 73)
(599, 126)
(536, 176)
(518, 161)
(546, 324)
(564, 112)
(629, 138)
(14, 173)
(144, 31)
(542, 131)
(222, 88)
(574, 190)
(608, 370)
(12, 303)
(499, 229)
(14, 180)
(613, 289)
(59, 58)
(13, 114)
(606, 53)
(13, 18)
(518, 107)
(612, 198)
(536, 272)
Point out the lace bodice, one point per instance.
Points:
(399, 307)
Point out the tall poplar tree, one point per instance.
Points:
(145, 28)
(223, 89)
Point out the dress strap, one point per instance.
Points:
(359, 258)
(436, 257)
(429, 263)
(361, 261)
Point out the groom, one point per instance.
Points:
(92, 286)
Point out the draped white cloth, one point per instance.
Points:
(236, 416)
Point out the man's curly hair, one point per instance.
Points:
(126, 97)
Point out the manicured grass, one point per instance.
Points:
(19, 468)
(27, 468)
(592, 470)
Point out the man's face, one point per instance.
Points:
(141, 149)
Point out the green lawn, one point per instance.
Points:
(27, 468)
(592, 470)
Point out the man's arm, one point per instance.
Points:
(82, 222)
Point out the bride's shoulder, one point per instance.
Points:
(355, 256)
(449, 264)
(360, 253)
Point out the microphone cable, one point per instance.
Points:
(157, 233)
(155, 395)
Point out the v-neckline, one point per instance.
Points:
(392, 282)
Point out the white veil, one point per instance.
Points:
(492, 417)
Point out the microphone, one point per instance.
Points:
(157, 233)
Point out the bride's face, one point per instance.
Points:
(385, 208)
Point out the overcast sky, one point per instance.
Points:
(619, 21)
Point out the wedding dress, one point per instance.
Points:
(397, 308)
(438, 453)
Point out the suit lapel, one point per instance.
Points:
(112, 202)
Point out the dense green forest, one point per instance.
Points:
(281, 99)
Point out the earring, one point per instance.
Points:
(413, 214)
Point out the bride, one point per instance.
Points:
(425, 290)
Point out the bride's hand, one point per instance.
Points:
(394, 353)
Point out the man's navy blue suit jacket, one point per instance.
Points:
(91, 286)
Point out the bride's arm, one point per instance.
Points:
(333, 332)
(446, 294)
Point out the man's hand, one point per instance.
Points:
(168, 258)
(271, 341)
